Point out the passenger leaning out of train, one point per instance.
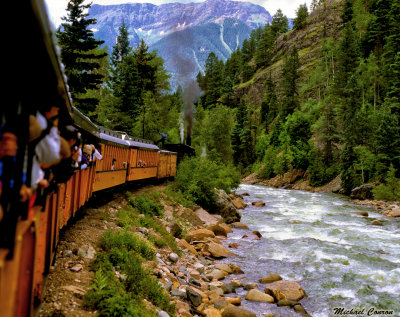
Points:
(63, 171)
(96, 153)
(47, 144)
(86, 156)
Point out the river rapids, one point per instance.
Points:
(317, 240)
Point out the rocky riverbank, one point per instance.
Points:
(196, 281)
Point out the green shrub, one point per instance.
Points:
(197, 177)
(128, 240)
(128, 217)
(146, 205)
(390, 190)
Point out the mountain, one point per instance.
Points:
(182, 32)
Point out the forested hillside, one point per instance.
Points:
(322, 98)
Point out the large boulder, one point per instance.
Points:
(217, 250)
(235, 311)
(223, 206)
(273, 277)
(199, 235)
(206, 218)
(362, 192)
(289, 290)
(256, 295)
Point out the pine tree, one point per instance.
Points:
(269, 106)
(264, 48)
(300, 21)
(279, 24)
(80, 55)
(121, 47)
(290, 76)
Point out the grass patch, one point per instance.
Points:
(146, 205)
(124, 297)
(130, 241)
(129, 217)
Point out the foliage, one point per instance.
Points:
(81, 55)
(390, 189)
(198, 177)
(129, 241)
(146, 205)
(300, 21)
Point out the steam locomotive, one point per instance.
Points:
(31, 217)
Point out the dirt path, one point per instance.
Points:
(70, 275)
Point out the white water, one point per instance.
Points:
(316, 239)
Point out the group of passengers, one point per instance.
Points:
(50, 158)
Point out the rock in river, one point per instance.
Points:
(289, 290)
(256, 295)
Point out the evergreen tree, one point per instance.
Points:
(279, 24)
(264, 48)
(80, 55)
(269, 106)
(347, 15)
(391, 55)
(213, 80)
(121, 47)
(290, 76)
(300, 21)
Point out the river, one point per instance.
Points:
(318, 241)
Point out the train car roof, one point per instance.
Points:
(84, 122)
(106, 138)
(51, 54)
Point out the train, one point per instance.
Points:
(30, 219)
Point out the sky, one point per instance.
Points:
(56, 8)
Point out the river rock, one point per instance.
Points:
(199, 234)
(286, 302)
(224, 267)
(256, 295)
(194, 296)
(233, 300)
(218, 230)
(239, 225)
(236, 269)
(290, 290)
(233, 245)
(173, 257)
(217, 250)
(199, 267)
(361, 213)
(212, 312)
(238, 203)
(188, 214)
(235, 311)
(185, 245)
(255, 235)
(362, 192)
(216, 275)
(206, 217)
(376, 222)
(258, 203)
(249, 286)
(299, 309)
(180, 293)
(395, 212)
(270, 278)
(223, 206)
